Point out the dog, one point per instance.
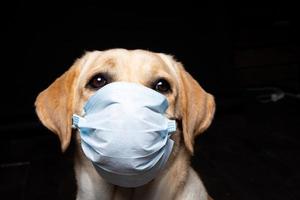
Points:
(191, 106)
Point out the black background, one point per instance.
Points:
(228, 48)
(42, 39)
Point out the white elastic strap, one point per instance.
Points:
(75, 120)
(171, 126)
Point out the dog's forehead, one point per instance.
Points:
(126, 63)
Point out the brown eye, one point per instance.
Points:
(98, 81)
(162, 86)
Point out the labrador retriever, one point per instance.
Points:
(191, 106)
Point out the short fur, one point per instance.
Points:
(189, 104)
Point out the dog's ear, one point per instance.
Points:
(55, 105)
(197, 108)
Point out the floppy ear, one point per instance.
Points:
(55, 105)
(197, 108)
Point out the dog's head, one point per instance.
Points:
(189, 104)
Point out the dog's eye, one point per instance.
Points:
(97, 81)
(162, 86)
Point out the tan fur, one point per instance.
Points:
(188, 103)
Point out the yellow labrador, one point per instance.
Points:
(189, 104)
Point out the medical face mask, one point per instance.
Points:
(125, 133)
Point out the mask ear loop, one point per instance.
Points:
(76, 119)
(171, 126)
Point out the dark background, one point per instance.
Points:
(240, 53)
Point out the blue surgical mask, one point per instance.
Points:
(125, 133)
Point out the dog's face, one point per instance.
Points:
(140, 67)
(189, 104)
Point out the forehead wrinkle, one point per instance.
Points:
(106, 59)
(145, 65)
(104, 62)
(111, 62)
